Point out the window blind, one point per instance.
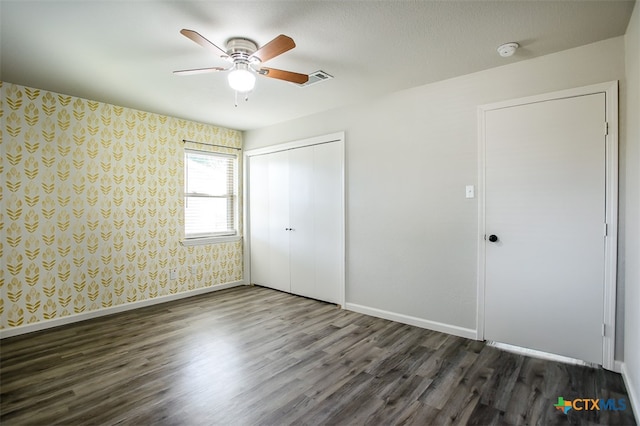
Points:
(210, 194)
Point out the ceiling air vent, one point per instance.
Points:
(316, 77)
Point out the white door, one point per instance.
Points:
(296, 216)
(269, 216)
(316, 221)
(259, 219)
(303, 232)
(279, 222)
(545, 203)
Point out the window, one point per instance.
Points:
(210, 195)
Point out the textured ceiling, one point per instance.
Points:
(124, 52)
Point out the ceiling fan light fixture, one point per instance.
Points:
(242, 80)
(245, 57)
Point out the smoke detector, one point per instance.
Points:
(507, 49)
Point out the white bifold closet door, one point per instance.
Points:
(296, 219)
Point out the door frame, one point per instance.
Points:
(318, 140)
(610, 89)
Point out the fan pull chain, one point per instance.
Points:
(246, 98)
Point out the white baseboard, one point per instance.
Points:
(418, 322)
(56, 322)
(617, 366)
(632, 391)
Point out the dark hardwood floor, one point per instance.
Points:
(251, 355)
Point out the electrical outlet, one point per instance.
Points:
(173, 273)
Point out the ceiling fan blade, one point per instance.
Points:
(199, 70)
(275, 47)
(195, 36)
(293, 77)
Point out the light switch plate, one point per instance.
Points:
(470, 191)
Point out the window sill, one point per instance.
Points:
(188, 242)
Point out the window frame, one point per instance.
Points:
(232, 197)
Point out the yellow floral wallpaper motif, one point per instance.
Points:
(91, 214)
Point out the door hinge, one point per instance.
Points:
(604, 327)
(606, 230)
(606, 128)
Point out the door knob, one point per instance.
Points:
(493, 238)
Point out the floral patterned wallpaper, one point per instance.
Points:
(92, 198)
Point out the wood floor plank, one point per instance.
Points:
(255, 356)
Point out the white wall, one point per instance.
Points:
(631, 195)
(411, 234)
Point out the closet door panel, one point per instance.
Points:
(259, 217)
(278, 190)
(303, 233)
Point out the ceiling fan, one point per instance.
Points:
(246, 59)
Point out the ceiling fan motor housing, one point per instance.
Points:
(241, 49)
